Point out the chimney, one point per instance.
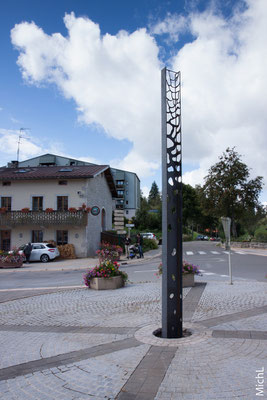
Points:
(13, 164)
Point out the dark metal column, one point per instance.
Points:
(172, 257)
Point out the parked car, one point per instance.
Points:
(148, 235)
(44, 252)
(215, 239)
(202, 237)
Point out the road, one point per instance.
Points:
(212, 260)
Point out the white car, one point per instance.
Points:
(42, 252)
(148, 235)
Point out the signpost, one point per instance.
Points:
(129, 226)
(226, 222)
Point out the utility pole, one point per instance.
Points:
(20, 137)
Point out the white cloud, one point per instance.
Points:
(224, 88)
(172, 25)
(9, 141)
(115, 82)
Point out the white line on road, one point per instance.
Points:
(215, 252)
(189, 253)
(43, 288)
(146, 270)
(202, 252)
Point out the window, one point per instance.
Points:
(127, 212)
(37, 203)
(127, 202)
(119, 183)
(37, 236)
(7, 183)
(62, 237)
(38, 247)
(62, 203)
(6, 202)
(62, 182)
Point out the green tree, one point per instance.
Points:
(228, 192)
(191, 206)
(154, 199)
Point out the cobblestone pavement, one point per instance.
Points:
(85, 344)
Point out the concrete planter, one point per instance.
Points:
(115, 282)
(188, 280)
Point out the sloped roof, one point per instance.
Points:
(58, 172)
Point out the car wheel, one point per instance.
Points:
(44, 258)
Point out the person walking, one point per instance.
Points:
(127, 244)
(140, 245)
(27, 252)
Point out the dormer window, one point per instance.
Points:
(62, 182)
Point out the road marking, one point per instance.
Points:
(43, 288)
(215, 252)
(146, 270)
(189, 253)
(202, 252)
(239, 252)
(209, 273)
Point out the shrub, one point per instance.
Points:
(187, 238)
(109, 251)
(187, 269)
(261, 234)
(105, 269)
(149, 244)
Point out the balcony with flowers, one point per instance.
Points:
(47, 217)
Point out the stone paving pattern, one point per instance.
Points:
(85, 344)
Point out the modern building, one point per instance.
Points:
(127, 183)
(51, 201)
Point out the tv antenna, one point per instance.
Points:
(20, 137)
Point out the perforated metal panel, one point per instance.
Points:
(171, 205)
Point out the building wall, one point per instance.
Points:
(22, 192)
(99, 194)
(130, 201)
(92, 192)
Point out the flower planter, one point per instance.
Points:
(115, 282)
(188, 280)
(10, 265)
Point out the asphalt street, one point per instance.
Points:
(211, 259)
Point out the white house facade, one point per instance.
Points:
(64, 204)
(127, 183)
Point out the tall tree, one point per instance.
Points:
(227, 190)
(154, 199)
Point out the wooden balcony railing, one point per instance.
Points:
(42, 218)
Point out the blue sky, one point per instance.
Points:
(84, 78)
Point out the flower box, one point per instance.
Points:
(115, 282)
(188, 280)
(11, 265)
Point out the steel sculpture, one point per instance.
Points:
(171, 205)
